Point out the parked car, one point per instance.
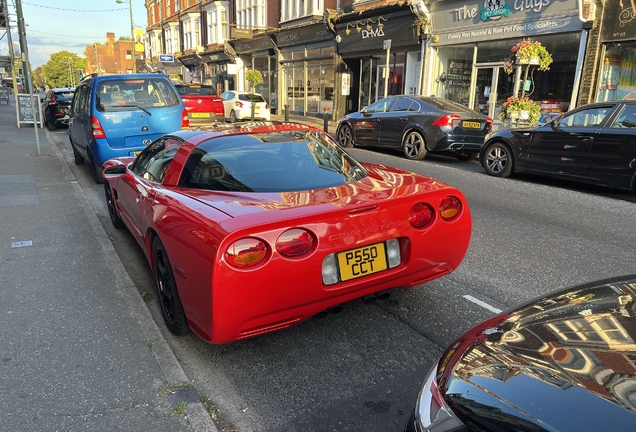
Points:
(563, 362)
(593, 144)
(119, 115)
(237, 106)
(418, 125)
(201, 102)
(233, 217)
(56, 106)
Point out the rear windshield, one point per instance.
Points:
(122, 94)
(446, 105)
(197, 90)
(65, 96)
(283, 161)
(251, 97)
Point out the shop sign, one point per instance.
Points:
(304, 34)
(248, 46)
(370, 33)
(215, 57)
(473, 21)
(619, 21)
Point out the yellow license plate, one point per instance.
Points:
(136, 153)
(200, 115)
(363, 261)
(471, 125)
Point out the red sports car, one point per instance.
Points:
(253, 228)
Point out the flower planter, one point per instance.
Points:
(528, 60)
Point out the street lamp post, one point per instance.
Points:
(132, 33)
(70, 74)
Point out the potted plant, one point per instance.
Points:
(519, 109)
(254, 77)
(528, 52)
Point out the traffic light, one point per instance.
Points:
(20, 73)
(80, 73)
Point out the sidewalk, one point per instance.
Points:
(312, 121)
(79, 348)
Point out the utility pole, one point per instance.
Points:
(5, 11)
(27, 70)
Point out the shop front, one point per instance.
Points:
(217, 61)
(258, 54)
(194, 68)
(472, 40)
(306, 69)
(381, 52)
(617, 78)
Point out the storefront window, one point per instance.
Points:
(452, 77)
(618, 75)
(310, 81)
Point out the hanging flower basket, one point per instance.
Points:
(528, 52)
(517, 109)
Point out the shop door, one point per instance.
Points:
(368, 82)
(492, 88)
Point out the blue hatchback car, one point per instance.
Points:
(119, 115)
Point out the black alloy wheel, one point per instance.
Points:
(169, 301)
(345, 136)
(414, 146)
(112, 209)
(497, 160)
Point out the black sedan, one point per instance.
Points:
(595, 143)
(417, 125)
(564, 362)
(56, 106)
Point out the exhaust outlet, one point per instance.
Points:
(369, 299)
(383, 295)
(322, 314)
(335, 310)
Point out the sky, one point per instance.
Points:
(54, 25)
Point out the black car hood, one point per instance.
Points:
(566, 362)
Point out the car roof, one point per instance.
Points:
(63, 89)
(122, 76)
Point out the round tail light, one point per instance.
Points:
(421, 215)
(246, 252)
(294, 242)
(450, 208)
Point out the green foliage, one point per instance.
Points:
(61, 69)
(254, 76)
(524, 110)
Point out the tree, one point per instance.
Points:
(62, 69)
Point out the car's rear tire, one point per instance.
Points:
(51, 126)
(345, 136)
(233, 118)
(169, 300)
(465, 157)
(497, 160)
(96, 170)
(79, 159)
(414, 146)
(112, 208)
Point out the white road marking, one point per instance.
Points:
(482, 304)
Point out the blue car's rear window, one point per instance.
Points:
(126, 93)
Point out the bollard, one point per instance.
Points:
(326, 119)
(253, 108)
(286, 112)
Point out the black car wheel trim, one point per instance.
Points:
(345, 136)
(112, 209)
(169, 300)
(414, 146)
(497, 160)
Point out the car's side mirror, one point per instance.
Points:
(114, 172)
(554, 124)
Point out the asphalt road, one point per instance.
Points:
(361, 370)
